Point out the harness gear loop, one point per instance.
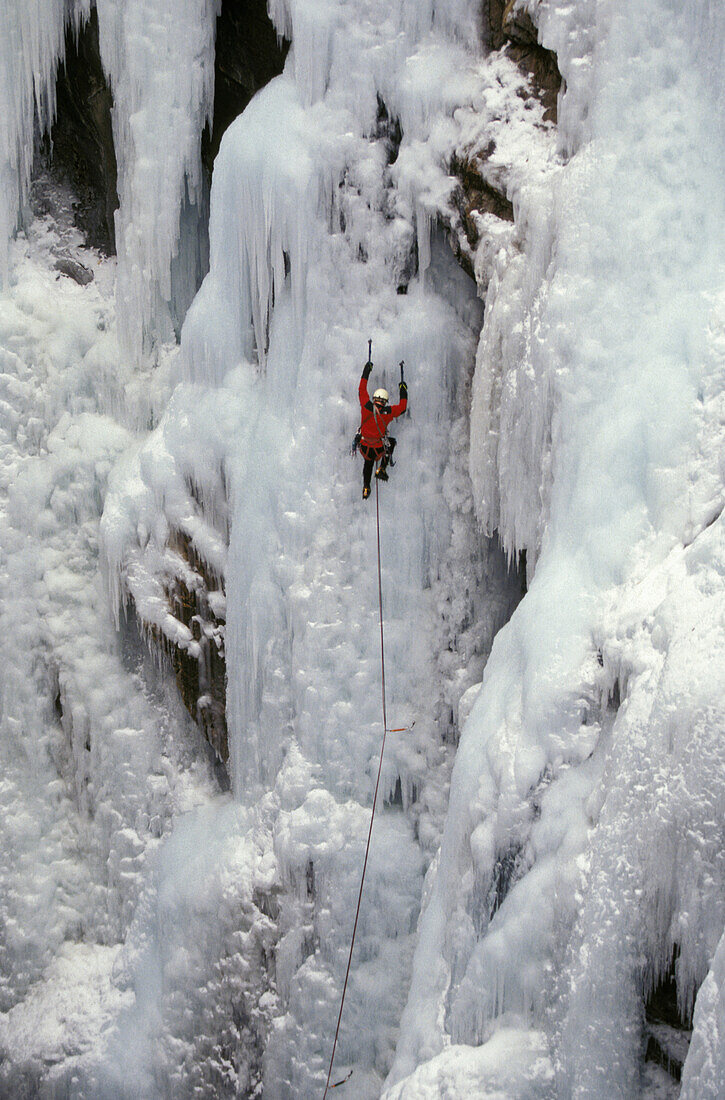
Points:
(328, 1086)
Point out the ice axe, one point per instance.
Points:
(402, 381)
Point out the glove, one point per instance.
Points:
(403, 389)
(366, 370)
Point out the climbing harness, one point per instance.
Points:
(328, 1086)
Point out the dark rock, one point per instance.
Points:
(510, 25)
(508, 28)
(510, 865)
(518, 26)
(388, 131)
(667, 1047)
(477, 195)
(74, 270)
(248, 55)
(201, 679)
(81, 143)
(495, 36)
(81, 149)
(542, 68)
(668, 1026)
(473, 196)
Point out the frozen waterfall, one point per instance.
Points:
(175, 425)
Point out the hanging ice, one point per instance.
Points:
(159, 58)
(32, 33)
(583, 837)
(572, 866)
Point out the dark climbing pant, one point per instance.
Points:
(371, 456)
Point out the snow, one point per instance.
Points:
(529, 884)
(64, 1017)
(90, 776)
(159, 60)
(514, 1065)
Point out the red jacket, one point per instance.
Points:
(374, 423)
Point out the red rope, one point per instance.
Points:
(375, 796)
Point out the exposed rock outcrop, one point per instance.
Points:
(81, 149)
(79, 161)
(481, 183)
(511, 26)
(81, 143)
(197, 600)
(74, 270)
(668, 1028)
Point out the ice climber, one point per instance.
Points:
(373, 440)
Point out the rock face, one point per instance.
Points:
(668, 1027)
(248, 56)
(81, 150)
(196, 599)
(74, 270)
(510, 30)
(473, 197)
(82, 138)
(510, 26)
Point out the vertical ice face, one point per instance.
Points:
(595, 446)
(599, 378)
(704, 1072)
(312, 251)
(32, 38)
(85, 749)
(350, 49)
(159, 58)
(264, 216)
(160, 62)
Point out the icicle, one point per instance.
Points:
(32, 43)
(159, 58)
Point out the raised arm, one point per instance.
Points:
(399, 409)
(363, 387)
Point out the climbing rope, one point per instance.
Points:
(328, 1086)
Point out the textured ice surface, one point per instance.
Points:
(159, 60)
(513, 1065)
(310, 242)
(90, 773)
(583, 837)
(704, 1073)
(159, 57)
(32, 37)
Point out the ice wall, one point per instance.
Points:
(159, 58)
(313, 252)
(584, 824)
(595, 446)
(95, 757)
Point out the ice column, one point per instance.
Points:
(159, 56)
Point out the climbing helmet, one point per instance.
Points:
(381, 396)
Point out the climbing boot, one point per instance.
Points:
(366, 492)
(381, 474)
